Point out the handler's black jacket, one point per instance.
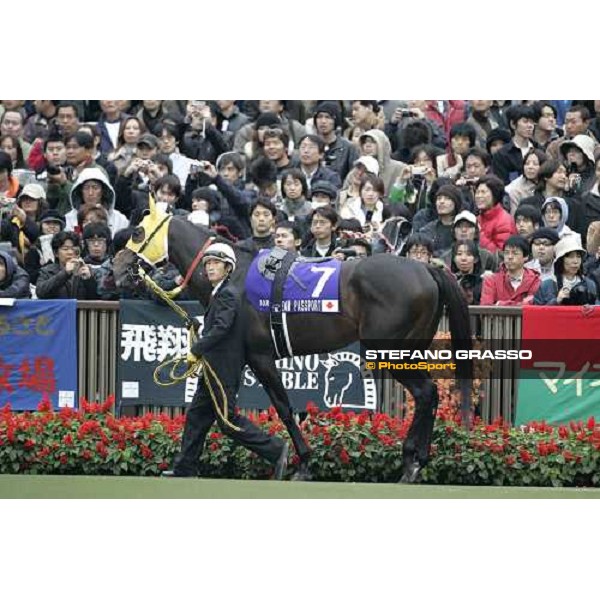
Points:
(222, 341)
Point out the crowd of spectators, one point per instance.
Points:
(503, 194)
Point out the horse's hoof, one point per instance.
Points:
(411, 473)
(302, 474)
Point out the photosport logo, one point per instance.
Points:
(334, 379)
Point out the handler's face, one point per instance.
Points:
(215, 271)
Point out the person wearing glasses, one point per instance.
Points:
(543, 241)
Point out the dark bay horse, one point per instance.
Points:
(383, 297)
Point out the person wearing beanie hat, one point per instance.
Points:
(323, 193)
(542, 241)
(495, 224)
(96, 244)
(527, 219)
(340, 153)
(496, 140)
(51, 221)
(448, 203)
(569, 286)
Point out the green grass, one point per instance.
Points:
(48, 486)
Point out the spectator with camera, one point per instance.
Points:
(68, 276)
(201, 140)
(14, 281)
(352, 249)
(340, 155)
(578, 155)
(543, 241)
(569, 286)
(514, 284)
(408, 128)
(416, 178)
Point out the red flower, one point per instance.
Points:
(68, 440)
(326, 439)
(591, 424)
(214, 446)
(215, 435)
(45, 405)
(526, 456)
(86, 455)
(146, 452)
(563, 432)
(63, 459)
(568, 455)
(344, 456)
(363, 417)
(28, 444)
(312, 409)
(510, 460)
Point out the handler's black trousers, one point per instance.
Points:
(199, 419)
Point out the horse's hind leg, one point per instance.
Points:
(415, 451)
(266, 371)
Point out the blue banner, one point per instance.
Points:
(38, 341)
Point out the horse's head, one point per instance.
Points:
(335, 384)
(148, 243)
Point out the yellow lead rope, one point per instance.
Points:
(194, 369)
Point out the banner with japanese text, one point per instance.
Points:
(561, 381)
(39, 353)
(151, 333)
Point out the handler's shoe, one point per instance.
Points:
(173, 473)
(281, 464)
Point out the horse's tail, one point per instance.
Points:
(460, 329)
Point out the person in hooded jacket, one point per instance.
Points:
(69, 276)
(375, 143)
(555, 212)
(14, 281)
(589, 206)
(568, 286)
(92, 187)
(40, 253)
(578, 154)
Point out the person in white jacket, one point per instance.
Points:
(93, 187)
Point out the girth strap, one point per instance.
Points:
(278, 317)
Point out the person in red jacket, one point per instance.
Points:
(514, 284)
(495, 224)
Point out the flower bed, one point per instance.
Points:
(346, 447)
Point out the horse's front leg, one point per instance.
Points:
(264, 368)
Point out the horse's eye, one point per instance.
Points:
(138, 235)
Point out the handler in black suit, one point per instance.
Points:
(222, 348)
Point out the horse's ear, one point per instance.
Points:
(151, 204)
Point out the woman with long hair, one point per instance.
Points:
(129, 133)
(525, 185)
(10, 145)
(466, 266)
